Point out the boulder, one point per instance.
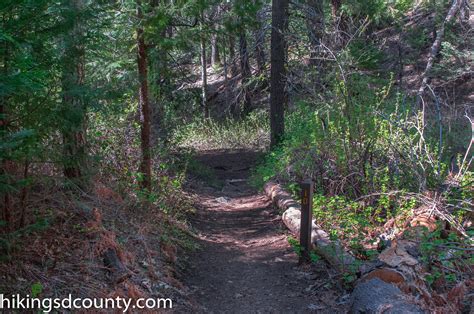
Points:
(376, 296)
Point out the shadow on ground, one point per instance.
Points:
(245, 264)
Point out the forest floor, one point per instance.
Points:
(245, 263)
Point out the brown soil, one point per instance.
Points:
(245, 264)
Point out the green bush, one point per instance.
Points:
(366, 153)
(365, 141)
(366, 55)
(446, 257)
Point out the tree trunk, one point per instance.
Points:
(7, 204)
(245, 71)
(74, 126)
(226, 78)
(315, 25)
(214, 17)
(278, 71)
(215, 58)
(144, 105)
(204, 72)
(260, 42)
(435, 47)
(233, 68)
(335, 7)
(23, 195)
(340, 21)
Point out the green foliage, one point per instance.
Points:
(373, 9)
(459, 199)
(365, 145)
(352, 221)
(418, 38)
(446, 257)
(295, 244)
(365, 141)
(314, 257)
(36, 289)
(455, 58)
(377, 11)
(367, 155)
(250, 132)
(366, 55)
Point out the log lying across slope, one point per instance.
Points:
(332, 251)
(393, 283)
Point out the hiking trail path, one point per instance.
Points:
(245, 263)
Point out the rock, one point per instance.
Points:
(369, 266)
(315, 307)
(223, 200)
(376, 296)
(398, 254)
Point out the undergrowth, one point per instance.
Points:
(374, 163)
(250, 132)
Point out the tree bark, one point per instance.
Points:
(233, 68)
(315, 25)
(214, 16)
(7, 204)
(74, 126)
(215, 57)
(205, 106)
(260, 42)
(455, 6)
(278, 71)
(245, 71)
(144, 105)
(339, 20)
(335, 8)
(226, 78)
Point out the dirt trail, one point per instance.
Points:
(245, 264)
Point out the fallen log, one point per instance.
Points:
(330, 250)
(393, 283)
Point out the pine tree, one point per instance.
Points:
(278, 71)
(144, 103)
(74, 106)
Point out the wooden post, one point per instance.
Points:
(306, 219)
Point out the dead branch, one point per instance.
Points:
(456, 4)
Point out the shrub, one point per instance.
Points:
(365, 141)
